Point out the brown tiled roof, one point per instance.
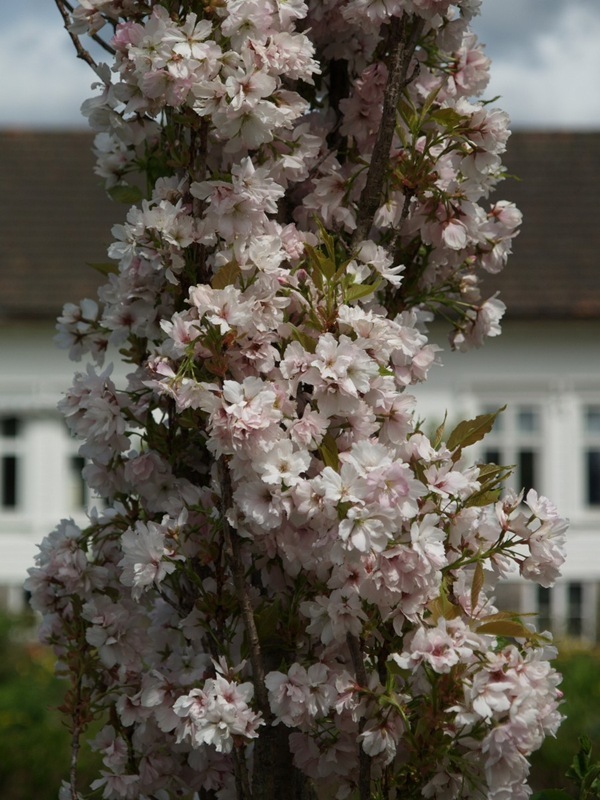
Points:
(555, 267)
(55, 218)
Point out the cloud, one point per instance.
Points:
(547, 76)
(43, 82)
(545, 63)
(509, 26)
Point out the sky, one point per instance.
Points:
(545, 64)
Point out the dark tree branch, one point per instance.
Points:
(396, 243)
(199, 156)
(263, 778)
(98, 39)
(82, 53)
(75, 746)
(233, 546)
(404, 37)
(364, 760)
(104, 45)
(242, 782)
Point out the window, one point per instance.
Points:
(592, 455)
(516, 439)
(10, 462)
(544, 609)
(78, 493)
(574, 610)
(568, 609)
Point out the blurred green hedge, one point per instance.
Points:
(35, 744)
(580, 668)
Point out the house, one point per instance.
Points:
(54, 218)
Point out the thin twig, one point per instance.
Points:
(77, 730)
(75, 745)
(364, 760)
(104, 45)
(396, 243)
(81, 51)
(98, 39)
(403, 43)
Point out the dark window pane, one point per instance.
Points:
(492, 456)
(593, 477)
(9, 427)
(575, 600)
(78, 487)
(543, 604)
(574, 627)
(527, 420)
(592, 419)
(9, 481)
(575, 595)
(526, 469)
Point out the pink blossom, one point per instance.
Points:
(149, 555)
(271, 503)
(216, 714)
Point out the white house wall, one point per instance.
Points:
(553, 366)
(34, 373)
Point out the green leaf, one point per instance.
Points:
(493, 474)
(504, 615)
(327, 240)
(581, 762)
(442, 607)
(409, 115)
(328, 451)
(551, 794)
(267, 623)
(447, 117)
(470, 431)
(439, 432)
(477, 585)
(480, 499)
(356, 290)
(429, 101)
(395, 669)
(124, 193)
(489, 470)
(324, 264)
(390, 700)
(226, 276)
(505, 628)
(108, 268)
(307, 342)
(341, 269)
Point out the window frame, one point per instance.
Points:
(14, 447)
(589, 442)
(511, 443)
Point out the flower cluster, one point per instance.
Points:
(288, 579)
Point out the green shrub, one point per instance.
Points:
(34, 742)
(581, 687)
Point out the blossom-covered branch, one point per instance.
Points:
(288, 587)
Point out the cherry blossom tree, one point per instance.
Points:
(288, 590)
